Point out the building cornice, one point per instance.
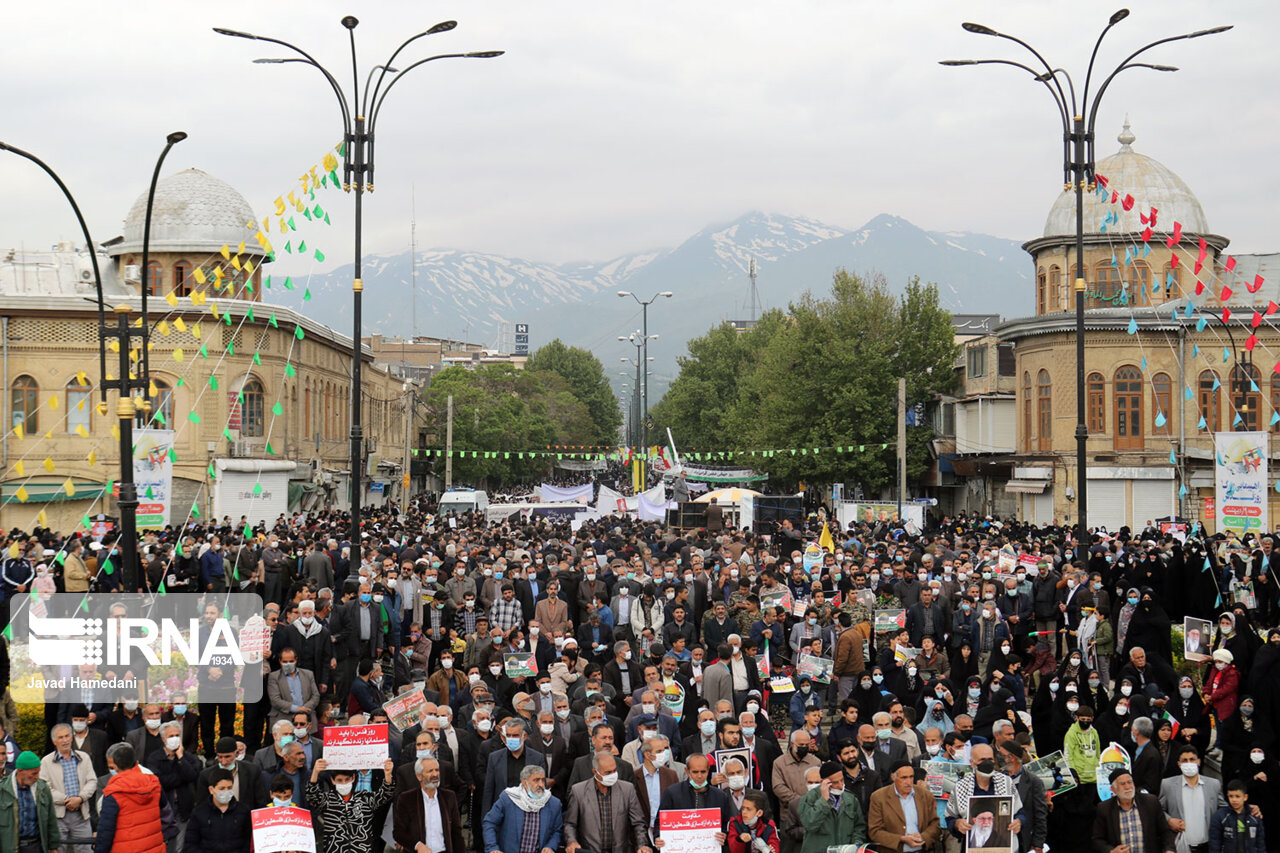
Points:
(1068, 241)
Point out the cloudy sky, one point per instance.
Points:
(609, 128)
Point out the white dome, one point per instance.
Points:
(1149, 182)
(193, 212)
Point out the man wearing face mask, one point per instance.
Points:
(247, 780)
(696, 792)
(220, 824)
(311, 641)
(177, 771)
(1189, 800)
(347, 813)
(426, 817)
(829, 815)
(502, 771)
(605, 812)
(356, 629)
(789, 770)
(985, 781)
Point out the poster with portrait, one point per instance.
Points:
(941, 777)
(1197, 639)
(818, 669)
(1054, 772)
(989, 819)
(740, 753)
(1240, 480)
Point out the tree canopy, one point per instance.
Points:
(585, 377)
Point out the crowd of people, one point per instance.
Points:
(682, 669)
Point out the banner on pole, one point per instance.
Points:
(153, 474)
(1240, 480)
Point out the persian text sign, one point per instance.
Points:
(689, 830)
(283, 828)
(1240, 480)
(355, 747)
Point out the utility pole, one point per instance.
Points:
(407, 480)
(448, 447)
(902, 442)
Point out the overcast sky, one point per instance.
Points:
(610, 128)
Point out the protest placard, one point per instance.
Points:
(1054, 771)
(278, 829)
(818, 669)
(406, 709)
(890, 621)
(520, 663)
(990, 831)
(781, 598)
(1197, 637)
(355, 747)
(689, 830)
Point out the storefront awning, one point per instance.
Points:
(1030, 487)
(46, 492)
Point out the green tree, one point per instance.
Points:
(585, 377)
(500, 412)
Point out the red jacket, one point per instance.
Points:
(764, 829)
(1222, 691)
(131, 813)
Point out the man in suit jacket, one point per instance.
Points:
(877, 753)
(88, 739)
(555, 754)
(887, 828)
(1157, 837)
(409, 821)
(612, 675)
(1171, 793)
(345, 627)
(504, 764)
(552, 613)
(583, 827)
(282, 683)
(653, 769)
(684, 795)
(1148, 764)
(717, 680)
(249, 786)
(504, 823)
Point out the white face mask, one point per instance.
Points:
(753, 707)
(224, 797)
(737, 783)
(154, 725)
(933, 748)
(1257, 757)
(814, 785)
(78, 726)
(1189, 769)
(173, 742)
(609, 779)
(562, 713)
(662, 758)
(649, 708)
(547, 728)
(343, 788)
(473, 677)
(484, 725)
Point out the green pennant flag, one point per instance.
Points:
(506, 455)
(248, 531)
(213, 382)
(277, 409)
(326, 220)
(289, 371)
(257, 488)
(231, 348)
(178, 548)
(318, 210)
(162, 590)
(257, 359)
(248, 288)
(288, 282)
(324, 181)
(414, 451)
(227, 316)
(106, 567)
(86, 523)
(319, 256)
(342, 149)
(272, 321)
(306, 295)
(226, 433)
(159, 416)
(240, 398)
(333, 176)
(193, 417)
(288, 247)
(204, 350)
(307, 213)
(173, 455)
(292, 227)
(271, 451)
(302, 247)
(60, 558)
(249, 314)
(195, 510)
(84, 603)
(181, 382)
(861, 447)
(267, 282)
(298, 333)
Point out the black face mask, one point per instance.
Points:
(801, 752)
(986, 766)
(868, 745)
(1085, 724)
(964, 736)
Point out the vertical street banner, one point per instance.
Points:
(153, 474)
(1240, 480)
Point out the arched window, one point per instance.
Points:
(182, 280)
(1097, 398)
(1044, 410)
(79, 406)
(1057, 296)
(1040, 291)
(1108, 278)
(252, 412)
(1172, 282)
(26, 403)
(1140, 285)
(1210, 399)
(161, 405)
(155, 279)
(1127, 395)
(1162, 400)
(1246, 401)
(1275, 402)
(1026, 409)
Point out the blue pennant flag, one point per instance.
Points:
(1182, 491)
(1133, 326)
(1188, 394)
(1173, 460)
(1202, 425)
(1161, 420)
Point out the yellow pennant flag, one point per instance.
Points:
(218, 273)
(279, 206)
(48, 436)
(93, 457)
(293, 199)
(284, 227)
(225, 251)
(180, 324)
(22, 494)
(137, 324)
(163, 327)
(195, 331)
(198, 275)
(69, 487)
(152, 390)
(113, 345)
(240, 248)
(115, 431)
(53, 402)
(235, 262)
(81, 431)
(329, 162)
(19, 468)
(13, 551)
(48, 464)
(80, 406)
(18, 430)
(172, 299)
(81, 379)
(213, 306)
(248, 267)
(179, 355)
(42, 519)
(266, 226)
(825, 541)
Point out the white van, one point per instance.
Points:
(459, 501)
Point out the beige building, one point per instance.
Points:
(419, 357)
(1164, 389)
(261, 383)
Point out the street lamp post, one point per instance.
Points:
(129, 378)
(1078, 117)
(359, 114)
(644, 391)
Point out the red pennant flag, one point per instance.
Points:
(1257, 319)
(1226, 315)
(1227, 293)
(1176, 236)
(1153, 217)
(1114, 197)
(1146, 235)
(1251, 343)
(1272, 307)
(1204, 249)
(1257, 284)
(1231, 264)
(1173, 261)
(1277, 367)
(1127, 204)
(1199, 266)
(1199, 287)
(1142, 217)
(1102, 180)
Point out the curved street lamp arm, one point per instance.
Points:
(1047, 67)
(443, 26)
(377, 105)
(93, 258)
(170, 141)
(1088, 75)
(1097, 99)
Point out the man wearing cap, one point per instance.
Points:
(28, 820)
(902, 816)
(1130, 820)
(829, 817)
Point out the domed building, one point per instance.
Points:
(258, 428)
(1161, 375)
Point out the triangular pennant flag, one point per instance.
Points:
(271, 321)
(1173, 460)
(277, 409)
(1160, 419)
(298, 333)
(271, 451)
(257, 359)
(306, 295)
(319, 256)
(289, 371)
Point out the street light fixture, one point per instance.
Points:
(1078, 118)
(126, 384)
(360, 112)
(644, 392)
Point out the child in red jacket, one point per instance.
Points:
(750, 831)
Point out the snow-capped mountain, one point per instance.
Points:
(480, 296)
